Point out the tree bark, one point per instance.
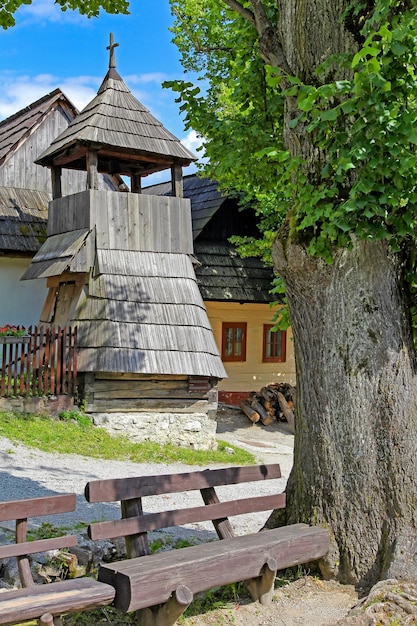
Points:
(356, 436)
(356, 432)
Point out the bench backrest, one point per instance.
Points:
(20, 511)
(134, 525)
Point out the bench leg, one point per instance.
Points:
(167, 614)
(49, 620)
(262, 587)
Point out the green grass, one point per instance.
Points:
(82, 438)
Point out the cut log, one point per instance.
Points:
(249, 411)
(288, 413)
(255, 404)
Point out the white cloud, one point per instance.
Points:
(151, 77)
(45, 11)
(192, 141)
(18, 91)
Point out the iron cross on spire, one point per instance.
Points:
(111, 47)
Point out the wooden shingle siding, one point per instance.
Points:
(150, 264)
(57, 254)
(144, 336)
(144, 313)
(147, 290)
(150, 362)
(118, 311)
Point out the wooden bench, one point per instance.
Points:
(46, 602)
(162, 585)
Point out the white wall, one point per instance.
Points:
(21, 302)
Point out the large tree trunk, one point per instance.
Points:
(355, 451)
(355, 454)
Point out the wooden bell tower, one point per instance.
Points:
(119, 263)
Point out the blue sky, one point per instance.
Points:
(48, 49)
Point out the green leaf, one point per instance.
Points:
(331, 114)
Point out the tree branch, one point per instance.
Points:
(269, 44)
(236, 6)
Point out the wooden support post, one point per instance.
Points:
(136, 545)
(262, 587)
(177, 182)
(168, 613)
(92, 170)
(136, 183)
(56, 174)
(23, 564)
(223, 526)
(46, 620)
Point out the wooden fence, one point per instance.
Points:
(42, 363)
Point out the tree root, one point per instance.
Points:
(389, 603)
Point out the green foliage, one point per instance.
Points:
(358, 113)
(75, 416)
(366, 127)
(90, 8)
(231, 105)
(66, 437)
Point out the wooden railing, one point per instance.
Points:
(42, 363)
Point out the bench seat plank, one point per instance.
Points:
(112, 490)
(58, 598)
(150, 580)
(177, 517)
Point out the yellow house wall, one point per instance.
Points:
(252, 374)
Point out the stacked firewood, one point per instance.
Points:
(276, 401)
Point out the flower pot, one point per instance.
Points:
(12, 339)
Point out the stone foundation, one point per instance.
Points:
(195, 431)
(39, 405)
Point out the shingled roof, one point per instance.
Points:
(16, 128)
(23, 220)
(118, 126)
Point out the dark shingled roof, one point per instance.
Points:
(116, 121)
(23, 220)
(225, 276)
(18, 126)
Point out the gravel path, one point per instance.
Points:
(29, 473)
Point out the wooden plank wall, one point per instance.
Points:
(20, 171)
(126, 221)
(113, 393)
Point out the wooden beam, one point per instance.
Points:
(177, 181)
(92, 170)
(151, 580)
(78, 152)
(136, 183)
(56, 175)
